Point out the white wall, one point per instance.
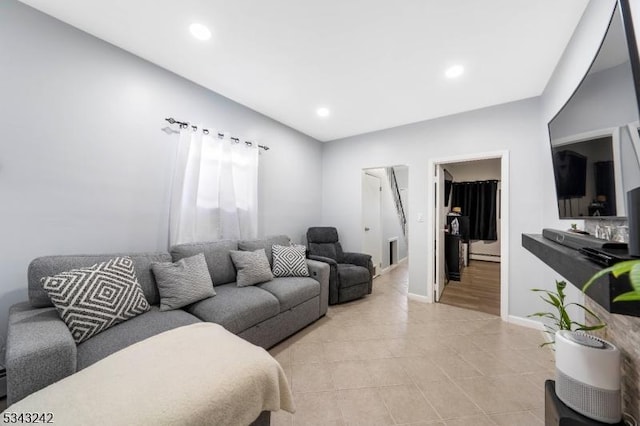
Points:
(391, 227)
(84, 165)
(471, 171)
(514, 127)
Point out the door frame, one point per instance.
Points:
(377, 267)
(503, 155)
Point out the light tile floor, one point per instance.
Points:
(386, 360)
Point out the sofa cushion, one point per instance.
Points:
(264, 243)
(252, 266)
(292, 291)
(236, 308)
(183, 282)
(216, 253)
(52, 265)
(127, 333)
(351, 275)
(91, 300)
(289, 261)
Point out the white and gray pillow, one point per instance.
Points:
(90, 300)
(252, 267)
(289, 261)
(183, 282)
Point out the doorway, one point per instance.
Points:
(384, 223)
(372, 219)
(470, 262)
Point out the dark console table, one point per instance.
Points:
(577, 269)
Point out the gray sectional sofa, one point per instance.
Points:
(40, 349)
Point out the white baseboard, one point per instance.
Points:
(525, 322)
(391, 267)
(484, 257)
(418, 298)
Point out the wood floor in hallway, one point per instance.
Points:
(478, 289)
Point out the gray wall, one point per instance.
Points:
(605, 99)
(515, 127)
(571, 69)
(84, 165)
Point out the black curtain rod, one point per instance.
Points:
(184, 125)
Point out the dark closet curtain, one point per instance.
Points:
(478, 200)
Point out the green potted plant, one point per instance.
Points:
(631, 267)
(560, 319)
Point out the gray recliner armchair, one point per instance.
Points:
(351, 274)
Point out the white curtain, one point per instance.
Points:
(215, 189)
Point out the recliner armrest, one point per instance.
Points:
(40, 350)
(359, 259)
(333, 276)
(328, 260)
(320, 271)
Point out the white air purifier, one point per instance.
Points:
(588, 375)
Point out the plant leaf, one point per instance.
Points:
(617, 270)
(634, 277)
(556, 301)
(587, 310)
(543, 315)
(591, 327)
(630, 296)
(566, 321)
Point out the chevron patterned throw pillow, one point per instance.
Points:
(90, 300)
(289, 261)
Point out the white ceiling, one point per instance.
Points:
(374, 63)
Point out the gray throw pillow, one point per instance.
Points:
(90, 300)
(289, 261)
(183, 282)
(252, 266)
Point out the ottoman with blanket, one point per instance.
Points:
(42, 348)
(198, 374)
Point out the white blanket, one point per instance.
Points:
(194, 375)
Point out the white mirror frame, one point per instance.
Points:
(614, 133)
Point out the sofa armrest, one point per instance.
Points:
(40, 350)
(333, 276)
(320, 271)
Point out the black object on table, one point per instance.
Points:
(556, 413)
(453, 256)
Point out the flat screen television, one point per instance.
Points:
(595, 144)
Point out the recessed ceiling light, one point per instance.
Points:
(200, 32)
(323, 112)
(454, 71)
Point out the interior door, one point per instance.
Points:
(371, 218)
(439, 231)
